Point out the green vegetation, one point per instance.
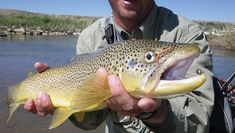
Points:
(44, 22)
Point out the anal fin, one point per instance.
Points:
(79, 116)
(60, 115)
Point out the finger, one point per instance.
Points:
(148, 104)
(117, 90)
(41, 67)
(101, 72)
(121, 101)
(38, 102)
(30, 106)
(116, 87)
(39, 108)
(46, 103)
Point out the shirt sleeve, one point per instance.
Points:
(190, 113)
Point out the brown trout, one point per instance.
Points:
(145, 68)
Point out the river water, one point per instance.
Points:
(19, 53)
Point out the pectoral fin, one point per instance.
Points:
(92, 95)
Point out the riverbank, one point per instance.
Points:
(225, 41)
(15, 22)
(219, 34)
(10, 31)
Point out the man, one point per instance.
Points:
(142, 19)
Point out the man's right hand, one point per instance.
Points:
(42, 105)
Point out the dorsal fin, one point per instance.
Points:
(77, 58)
(30, 74)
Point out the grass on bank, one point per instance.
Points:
(46, 22)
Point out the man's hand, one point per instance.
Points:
(125, 104)
(42, 105)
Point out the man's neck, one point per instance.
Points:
(131, 24)
(127, 24)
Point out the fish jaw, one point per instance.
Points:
(166, 89)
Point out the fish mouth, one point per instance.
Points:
(178, 69)
(173, 81)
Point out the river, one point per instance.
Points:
(17, 56)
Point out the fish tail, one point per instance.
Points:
(14, 101)
(12, 109)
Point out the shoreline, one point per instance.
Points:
(11, 31)
(215, 42)
(225, 41)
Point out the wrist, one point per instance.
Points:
(146, 115)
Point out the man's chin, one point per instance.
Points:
(128, 14)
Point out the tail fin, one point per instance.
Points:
(12, 109)
(13, 101)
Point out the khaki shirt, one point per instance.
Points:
(188, 113)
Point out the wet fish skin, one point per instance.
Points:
(75, 88)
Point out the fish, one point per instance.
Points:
(146, 68)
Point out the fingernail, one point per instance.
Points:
(37, 101)
(44, 96)
(101, 70)
(29, 102)
(40, 95)
(112, 79)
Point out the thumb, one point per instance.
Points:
(41, 67)
(148, 104)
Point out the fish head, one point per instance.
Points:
(148, 62)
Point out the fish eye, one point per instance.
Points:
(149, 57)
